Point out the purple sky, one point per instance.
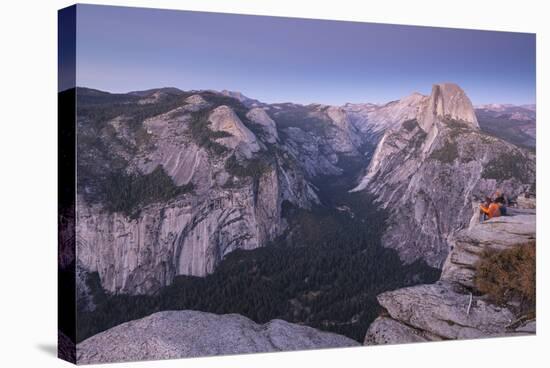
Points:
(275, 59)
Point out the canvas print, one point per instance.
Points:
(234, 184)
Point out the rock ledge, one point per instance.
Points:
(451, 308)
(184, 334)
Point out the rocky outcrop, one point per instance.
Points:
(447, 101)
(499, 233)
(452, 308)
(259, 116)
(240, 138)
(343, 135)
(438, 311)
(183, 334)
(196, 101)
(427, 171)
(165, 142)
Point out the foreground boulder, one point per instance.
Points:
(439, 312)
(182, 334)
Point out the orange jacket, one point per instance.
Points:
(492, 211)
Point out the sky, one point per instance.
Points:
(274, 59)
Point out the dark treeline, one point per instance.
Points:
(127, 193)
(100, 107)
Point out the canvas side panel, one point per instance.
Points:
(66, 99)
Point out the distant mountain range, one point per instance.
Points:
(516, 124)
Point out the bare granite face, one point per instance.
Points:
(224, 119)
(259, 116)
(343, 135)
(447, 309)
(448, 101)
(185, 334)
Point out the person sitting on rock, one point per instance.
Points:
(482, 207)
(490, 209)
(501, 200)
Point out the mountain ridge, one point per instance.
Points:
(454, 307)
(499, 107)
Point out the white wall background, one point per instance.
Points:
(28, 86)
